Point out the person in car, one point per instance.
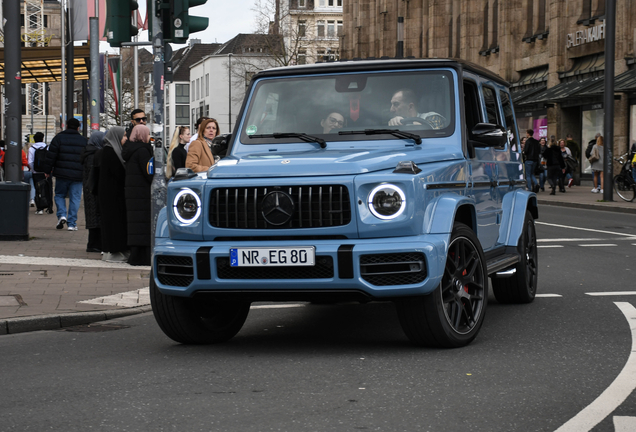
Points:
(404, 106)
(332, 121)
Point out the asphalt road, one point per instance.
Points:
(349, 367)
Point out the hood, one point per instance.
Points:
(321, 162)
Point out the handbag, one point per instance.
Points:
(594, 156)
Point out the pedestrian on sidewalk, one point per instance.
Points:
(566, 153)
(541, 166)
(596, 161)
(137, 153)
(111, 196)
(63, 163)
(532, 152)
(91, 208)
(555, 165)
(36, 165)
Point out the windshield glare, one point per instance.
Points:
(420, 102)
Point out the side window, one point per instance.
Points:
(471, 106)
(491, 105)
(509, 117)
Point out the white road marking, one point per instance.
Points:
(277, 306)
(549, 246)
(66, 262)
(571, 240)
(586, 229)
(548, 295)
(598, 244)
(616, 393)
(624, 424)
(140, 297)
(611, 293)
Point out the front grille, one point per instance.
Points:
(175, 270)
(322, 270)
(393, 269)
(314, 206)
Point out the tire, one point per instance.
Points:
(450, 316)
(189, 321)
(521, 287)
(624, 188)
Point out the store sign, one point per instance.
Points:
(588, 35)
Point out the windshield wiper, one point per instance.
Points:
(302, 136)
(394, 132)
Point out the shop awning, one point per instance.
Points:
(623, 83)
(563, 91)
(519, 94)
(43, 64)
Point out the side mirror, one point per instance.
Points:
(219, 145)
(183, 174)
(489, 135)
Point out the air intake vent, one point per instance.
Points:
(296, 207)
(175, 270)
(393, 269)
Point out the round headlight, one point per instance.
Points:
(187, 206)
(387, 201)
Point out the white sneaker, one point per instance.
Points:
(601, 190)
(32, 203)
(72, 228)
(39, 212)
(117, 257)
(61, 222)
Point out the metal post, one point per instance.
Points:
(229, 90)
(158, 187)
(84, 108)
(14, 195)
(70, 74)
(136, 65)
(95, 69)
(63, 65)
(400, 38)
(608, 101)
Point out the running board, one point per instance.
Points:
(502, 262)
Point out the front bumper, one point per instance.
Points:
(376, 268)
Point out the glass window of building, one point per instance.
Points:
(331, 28)
(181, 93)
(207, 84)
(192, 91)
(302, 28)
(181, 115)
(320, 27)
(339, 28)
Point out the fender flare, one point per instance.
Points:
(161, 229)
(515, 205)
(441, 214)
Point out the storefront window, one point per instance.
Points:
(539, 124)
(592, 124)
(632, 127)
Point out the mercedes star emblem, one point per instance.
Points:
(278, 208)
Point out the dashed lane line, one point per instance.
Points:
(598, 245)
(548, 295)
(616, 393)
(611, 293)
(586, 229)
(549, 246)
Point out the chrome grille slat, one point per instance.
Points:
(314, 206)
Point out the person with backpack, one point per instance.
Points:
(590, 145)
(43, 191)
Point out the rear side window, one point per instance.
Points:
(509, 118)
(491, 105)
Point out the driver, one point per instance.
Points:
(404, 106)
(333, 121)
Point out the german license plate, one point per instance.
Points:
(271, 257)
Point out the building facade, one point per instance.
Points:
(312, 29)
(551, 51)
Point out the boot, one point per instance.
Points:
(553, 191)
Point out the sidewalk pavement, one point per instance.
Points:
(51, 282)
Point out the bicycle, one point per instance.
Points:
(624, 184)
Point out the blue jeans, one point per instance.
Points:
(72, 189)
(28, 178)
(531, 180)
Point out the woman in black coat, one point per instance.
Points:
(137, 153)
(91, 208)
(555, 166)
(111, 198)
(177, 153)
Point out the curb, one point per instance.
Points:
(58, 321)
(599, 206)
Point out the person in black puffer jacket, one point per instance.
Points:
(137, 152)
(91, 209)
(63, 162)
(555, 165)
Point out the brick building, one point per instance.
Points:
(551, 51)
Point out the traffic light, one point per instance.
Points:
(181, 24)
(119, 21)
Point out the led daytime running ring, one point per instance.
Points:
(181, 193)
(391, 187)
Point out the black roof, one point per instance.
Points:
(380, 64)
(185, 57)
(251, 43)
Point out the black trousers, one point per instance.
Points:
(555, 176)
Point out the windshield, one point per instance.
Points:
(329, 107)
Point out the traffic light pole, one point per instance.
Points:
(14, 194)
(158, 187)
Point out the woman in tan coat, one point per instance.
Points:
(200, 157)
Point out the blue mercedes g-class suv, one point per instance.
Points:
(379, 180)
